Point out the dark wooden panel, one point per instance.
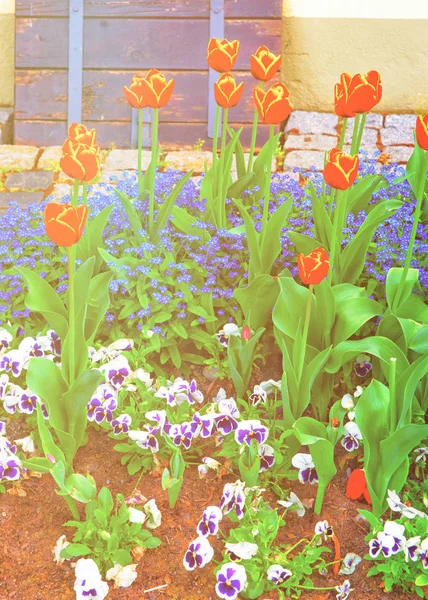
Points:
(150, 8)
(246, 9)
(42, 95)
(117, 8)
(138, 44)
(41, 43)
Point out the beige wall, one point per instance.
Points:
(323, 38)
(7, 52)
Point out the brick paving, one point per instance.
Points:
(30, 174)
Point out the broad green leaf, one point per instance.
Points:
(259, 298)
(167, 205)
(132, 214)
(393, 280)
(271, 246)
(105, 501)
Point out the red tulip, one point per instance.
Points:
(314, 267)
(422, 131)
(341, 169)
(64, 223)
(356, 487)
(246, 333)
(274, 105)
(222, 54)
(226, 93)
(264, 64)
(135, 93)
(357, 94)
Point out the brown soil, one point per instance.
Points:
(30, 526)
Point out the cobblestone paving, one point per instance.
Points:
(30, 174)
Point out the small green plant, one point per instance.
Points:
(199, 145)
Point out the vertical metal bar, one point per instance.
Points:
(75, 61)
(216, 31)
(147, 118)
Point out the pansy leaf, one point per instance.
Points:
(73, 550)
(105, 501)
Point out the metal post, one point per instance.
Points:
(75, 62)
(216, 31)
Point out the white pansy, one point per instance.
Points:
(153, 513)
(136, 516)
(27, 444)
(243, 550)
(122, 576)
(61, 543)
(88, 581)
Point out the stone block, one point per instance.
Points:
(403, 121)
(312, 122)
(118, 160)
(18, 157)
(369, 138)
(398, 154)
(29, 180)
(183, 160)
(60, 191)
(397, 136)
(6, 125)
(23, 198)
(310, 142)
(304, 159)
(50, 158)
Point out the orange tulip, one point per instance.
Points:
(226, 93)
(422, 131)
(341, 169)
(64, 223)
(134, 94)
(155, 89)
(264, 64)
(274, 105)
(221, 54)
(78, 133)
(80, 161)
(356, 487)
(314, 267)
(357, 94)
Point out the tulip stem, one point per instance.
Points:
(221, 195)
(75, 196)
(254, 135)
(332, 198)
(416, 218)
(360, 132)
(392, 395)
(305, 333)
(333, 240)
(154, 165)
(71, 255)
(85, 193)
(216, 128)
(266, 196)
(355, 133)
(140, 144)
(343, 132)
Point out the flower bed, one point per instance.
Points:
(230, 376)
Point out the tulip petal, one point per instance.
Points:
(61, 233)
(166, 93)
(72, 167)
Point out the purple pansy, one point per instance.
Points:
(31, 348)
(210, 521)
(277, 574)
(55, 342)
(324, 528)
(102, 404)
(2, 427)
(28, 402)
(146, 439)
(231, 581)
(389, 541)
(5, 339)
(159, 416)
(258, 396)
(343, 590)
(233, 497)
(205, 424)
(251, 430)
(9, 468)
(352, 438)
(182, 435)
(267, 457)
(198, 554)
(363, 365)
(226, 421)
(305, 464)
(121, 424)
(12, 362)
(411, 548)
(424, 553)
(223, 334)
(116, 371)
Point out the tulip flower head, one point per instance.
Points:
(78, 133)
(155, 89)
(341, 169)
(134, 94)
(422, 131)
(222, 54)
(274, 105)
(264, 64)
(226, 93)
(246, 333)
(314, 267)
(64, 223)
(357, 94)
(80, 161)
(357, 486)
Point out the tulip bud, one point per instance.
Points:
(78, 133)
(264, 64)
(80, 161)
(246, 333)
(274, 105)
(422, 131)
(341, 169)
(222, 54)
(64, 223)
(226, 93)
(155, 89)
(335, 422)
(134, 94)
(314, 267)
